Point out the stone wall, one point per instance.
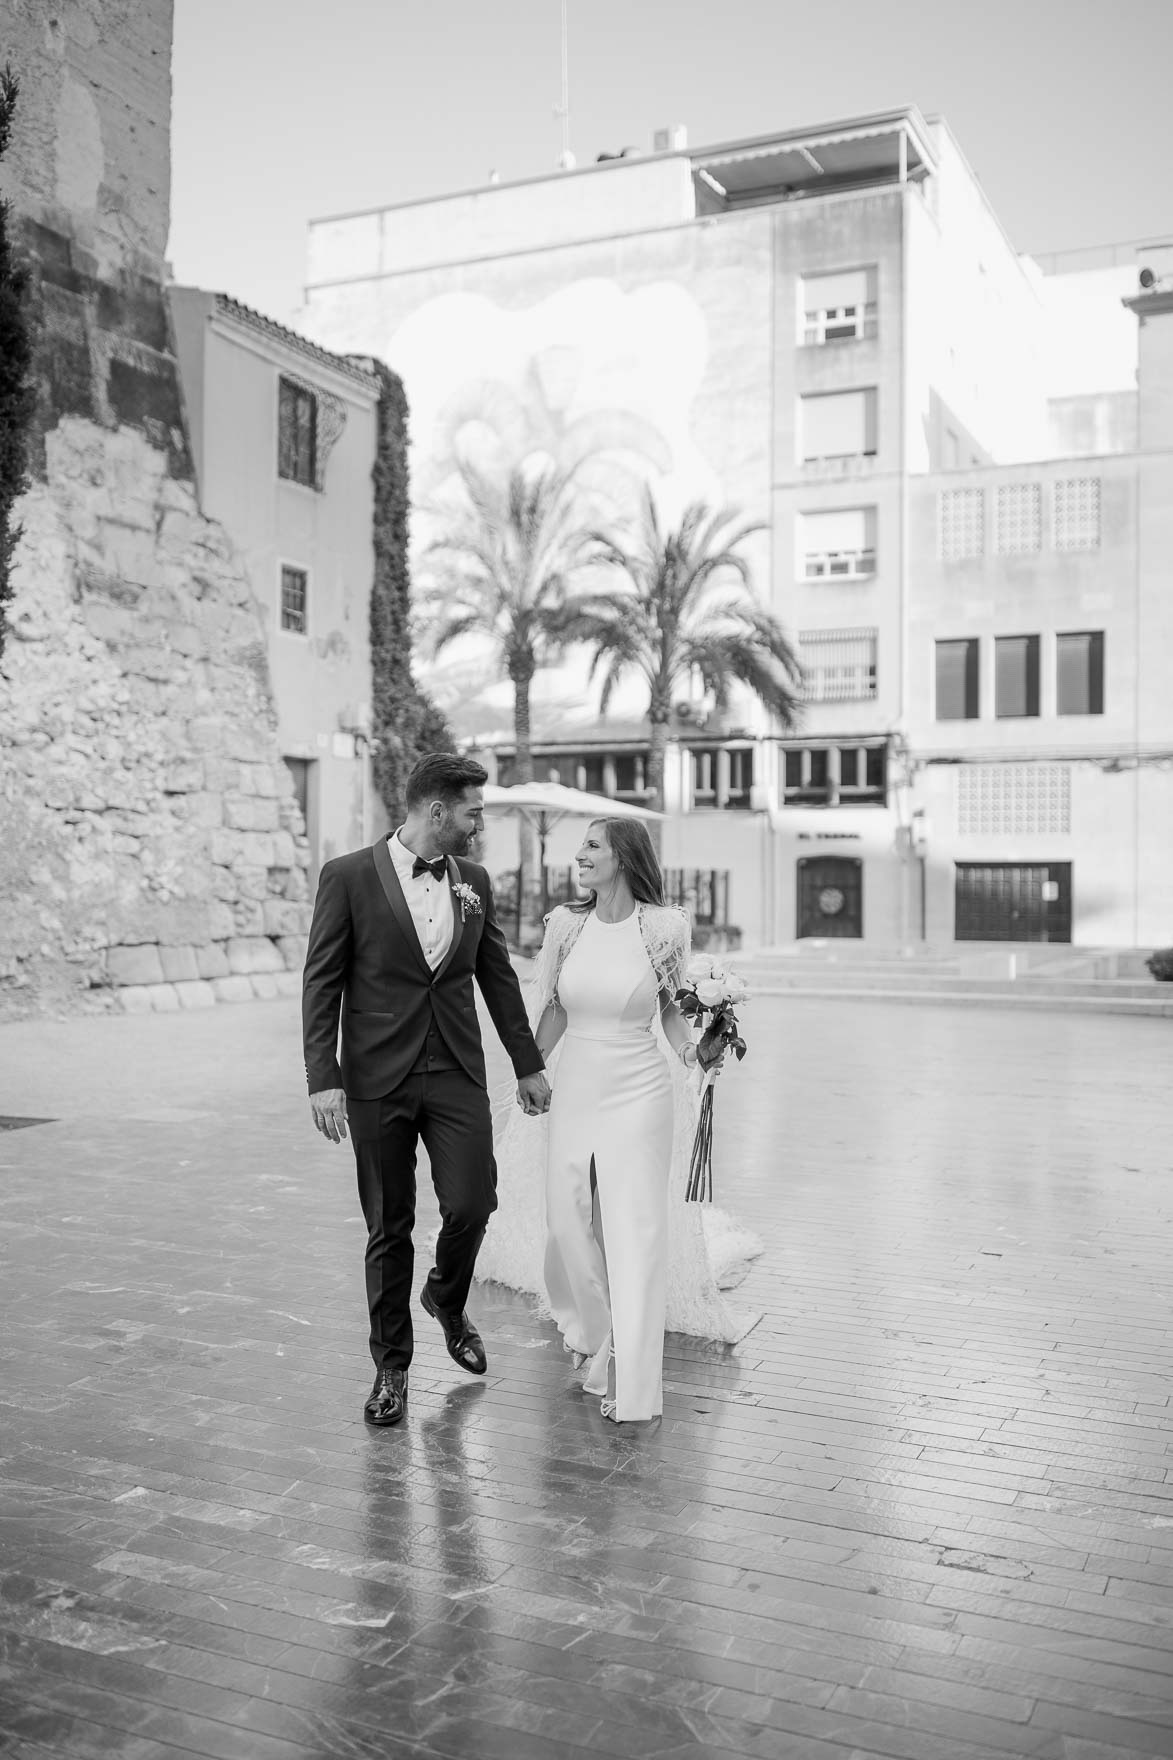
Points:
(91, 154)
(151, 852)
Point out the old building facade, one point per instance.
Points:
(283, 438)
(830, 330)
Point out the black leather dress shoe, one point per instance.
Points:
(388, 1400)
(464, 1343)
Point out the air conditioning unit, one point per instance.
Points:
(670, 140)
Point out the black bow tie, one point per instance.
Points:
(436, 869)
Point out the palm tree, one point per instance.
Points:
(499, 568)
(670, 621)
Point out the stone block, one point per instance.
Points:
(196, 995)
(220, 774)
(257, 779)
(253, 953)
(204, 809)
(249, 916)
(184, 776)
(179, 964)
(163, 998)
(211, 961)
(296, 885)
(221, 923)
(237, 989)
(283, 918)
(187, 640)
(113, 624)
(135, 999)
(288, 983)
(134, 965)
(265, 985)
(292, 951)
(250, 812)
(283, 850)
(225, 886)
(253, 882)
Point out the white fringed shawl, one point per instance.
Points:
(707, 1251)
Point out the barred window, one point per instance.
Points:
(831, 776)
(839, 665)
(1018, 524)
(1077, 513)
(297, 433)
(294, 596)
(961, 521)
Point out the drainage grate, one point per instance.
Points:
(20, 1124)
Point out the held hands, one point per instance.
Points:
(329, 1110)
(533, 1094)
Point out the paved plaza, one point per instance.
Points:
(922, 1510)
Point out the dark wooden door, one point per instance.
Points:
(1013, 901)
(830, 896)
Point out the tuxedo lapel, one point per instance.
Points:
(459, 924)
(389, 880)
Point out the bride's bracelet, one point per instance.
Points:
(683, 1051)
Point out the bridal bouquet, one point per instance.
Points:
(707, 996)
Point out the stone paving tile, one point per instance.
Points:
(923, 1511)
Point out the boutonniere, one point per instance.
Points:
(470, 904)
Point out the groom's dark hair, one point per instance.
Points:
(443, 776)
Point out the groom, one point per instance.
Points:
(398, 934)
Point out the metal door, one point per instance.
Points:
(1013, 901)
(830, 896)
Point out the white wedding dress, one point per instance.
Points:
(617, 1257)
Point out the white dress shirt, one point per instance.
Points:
(429, 901)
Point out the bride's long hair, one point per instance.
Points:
(633, 850)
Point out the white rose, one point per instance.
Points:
(699, 966)
(710, 991)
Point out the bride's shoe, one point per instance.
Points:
(577, 1358)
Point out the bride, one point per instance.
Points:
(622, 1255)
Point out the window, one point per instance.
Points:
(1018, 522)
(297, 433)
(827, 776)
(957, 680)
(740, 776)
(838, 424)
(704, 779)
(1077, 513)
(961, 515)
(1016, 676)
(629, 774)
(839, 544)
(839, 665)
(1080, 673)
(838, 308)
(294, 593)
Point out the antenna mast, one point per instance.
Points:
(566, 159)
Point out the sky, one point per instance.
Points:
(289, 110)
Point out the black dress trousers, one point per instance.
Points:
(439, 1103)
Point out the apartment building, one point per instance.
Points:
(829, 330)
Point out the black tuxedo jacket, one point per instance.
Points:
(365, 956)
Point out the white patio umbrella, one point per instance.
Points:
(543, 804)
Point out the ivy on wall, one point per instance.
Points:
(17, 396)
(405, 723)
